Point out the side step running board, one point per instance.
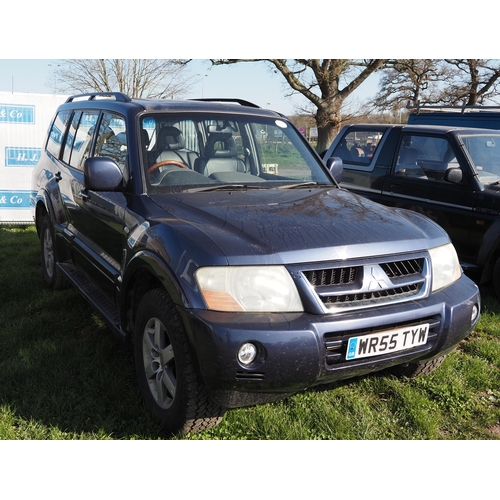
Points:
(94, 296)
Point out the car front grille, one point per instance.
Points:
(339, 276)
(369, 283)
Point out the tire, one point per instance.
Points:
(170, 385)
(414, 370)
(51, 273)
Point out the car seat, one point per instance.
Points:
(172, 146)
(220, 155)
(407, 164)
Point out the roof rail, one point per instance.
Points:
(92, 96)
(242, 102)
(459, 109)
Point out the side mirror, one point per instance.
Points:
(101, 173)
(336, 167)
(453, 175)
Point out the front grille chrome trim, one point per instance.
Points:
(373, 282)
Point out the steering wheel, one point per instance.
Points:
(156, 166)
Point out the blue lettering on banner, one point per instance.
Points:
(15, 199)
(70, 142)
(22, 157)
(89, 120)
(148, 123)
(17, 113)
(56, 135)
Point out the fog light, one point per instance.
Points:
(247, 354)
(475, 312)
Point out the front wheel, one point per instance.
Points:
(168, 379)
(414, 370)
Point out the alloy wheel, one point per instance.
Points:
(159, 363)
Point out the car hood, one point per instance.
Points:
(301, 225)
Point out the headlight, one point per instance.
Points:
(445, 266)
(248, 289)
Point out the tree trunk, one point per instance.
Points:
(319, 81)
(328, 121)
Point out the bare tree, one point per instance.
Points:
(474, 81)
(135, 77)
(326, 83)
(410, 80)
(437, 81)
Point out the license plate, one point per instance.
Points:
(376, 344)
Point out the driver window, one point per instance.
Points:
(425, 157)
(112, 139)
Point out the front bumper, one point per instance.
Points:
(301, 350)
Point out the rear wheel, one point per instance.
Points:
(51, 273)
(170, 384)
(413, 370)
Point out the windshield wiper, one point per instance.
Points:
(223, 187)
(299, 185)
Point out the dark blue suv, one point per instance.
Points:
(213, 236)
(455, 116)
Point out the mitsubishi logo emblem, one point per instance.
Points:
(378, 279)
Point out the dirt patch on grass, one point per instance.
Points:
(495, 431)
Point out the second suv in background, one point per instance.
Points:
(447, 173)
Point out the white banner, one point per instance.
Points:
(24, 121)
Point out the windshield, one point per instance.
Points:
(484, 151)
(201, 152)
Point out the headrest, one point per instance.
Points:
(226, 146)
(408, 156)
(217, 129)
(145, 136)
(170, 138)
(121, 138)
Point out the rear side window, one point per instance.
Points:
(358, 146)
(57, 131)
(79, 138)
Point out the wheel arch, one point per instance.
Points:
(43, 207)
(489, 251)
(145, 272)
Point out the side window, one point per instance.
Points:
(112, 139)
(57, 131)
(79, 139)
(70, 138)
(358, 146)
(425, 157)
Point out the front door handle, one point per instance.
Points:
(396, 188)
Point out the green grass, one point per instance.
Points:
(64, 376)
